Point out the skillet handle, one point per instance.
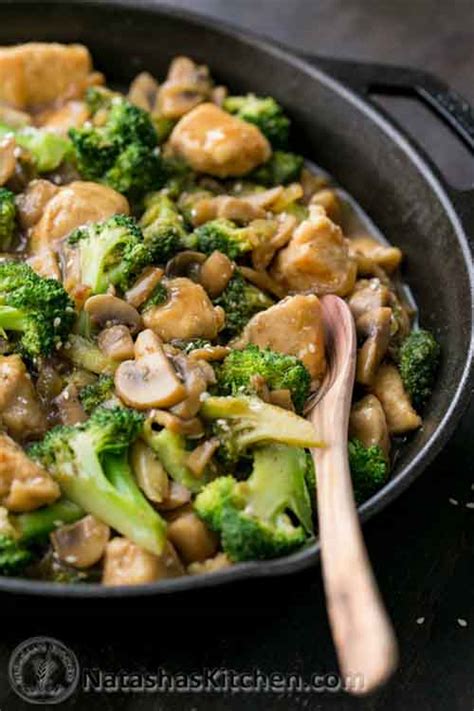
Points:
(454, 110)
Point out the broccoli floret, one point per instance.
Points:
(240, 301)
(93, 395)
(110, 252)
(31, 528)
(172, 452)
(163, 228)
(369, 469)
(224, 235)
(263, 112)
(36, 311)
(90, 463)
(7, 218)
(241, 422)
(121, 150)
(418, 361)
(280, 372)
(46, 148)
(282, 168)
(252, 516)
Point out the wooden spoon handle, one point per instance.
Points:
(362, 632)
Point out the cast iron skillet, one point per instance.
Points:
(337, 127)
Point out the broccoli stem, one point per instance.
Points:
(12, 319)
(36, 525)
(171, 451)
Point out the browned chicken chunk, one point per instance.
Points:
(38, 73)
(316, 258)
(212, 141)
(20, 409)
(188, 313)
(127, 564)
(24, 485)
(292, 326)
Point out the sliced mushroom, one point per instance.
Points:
(178, 496)
(383, 256)
(186, 86)
(209, 353)
(144, 286)
(116, 342)
(281, 398)
(311, 183)
(237, 209)
(216, 272)
(388, 388)
(263, 253)
(69, 406)
(127, 564)
(7, 158)
(150, 473)
(107, 310)
(368, 294)
(150, 380)
(193, 540)
(186, 264)
(200, 457)
(368, 424)
(329, 200)
(375, 325)
(143, 91)
(263, 280)
(197, 375)
(81, 544)
(192, 427)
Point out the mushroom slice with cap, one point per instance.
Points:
(200, 457)
(69, 406)
(127, 564)
(388, 388)
(368, 424)
(197, 376)
(375, 325)
(116, 342)
(144, 287)
(107, 310)
(178, 496)
(150, 380)
(215, 274)
(81, 544)
(150, 473)
(368, 294)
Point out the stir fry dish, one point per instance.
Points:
(163, 255)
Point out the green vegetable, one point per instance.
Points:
(111, 252)
(240, 301)
(163, 227)
(369, 469)
(122, 150)
(35, 312)
(263, 112)
(242, 422)
(46, 148)
(93, 395)
(224, 235)
(418, 361)
(172, 453)
(90, 463)
(280, 372)
(85, 353)
(7, 218)
(282, 168)
(252, 516)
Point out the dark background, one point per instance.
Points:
(421, 547)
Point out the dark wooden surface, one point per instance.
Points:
(421, 547)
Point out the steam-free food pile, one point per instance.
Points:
(163, 255)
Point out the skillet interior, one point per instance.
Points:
(395, 185)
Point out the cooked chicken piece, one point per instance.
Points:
(46, 264)
(73, 205)
(330, 201)
(211, 565)
(24, 485)
(39, 73)
(127, 564)
(186, 86)
(263, 254)
(193, 540)
(72, 114)
(367, 423)
(212, 141)
(188, 313)
(374, 325)
(368, 294)
(33, 201)
(386, 257)
(316, 258)
(292, 326)
(388, 387)
(20, 409)
(7, 158)
(226, 206)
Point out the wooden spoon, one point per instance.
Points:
(362, 632)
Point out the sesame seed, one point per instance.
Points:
(462, 622)
(454, 502)
(420, 620)
(57, 322)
